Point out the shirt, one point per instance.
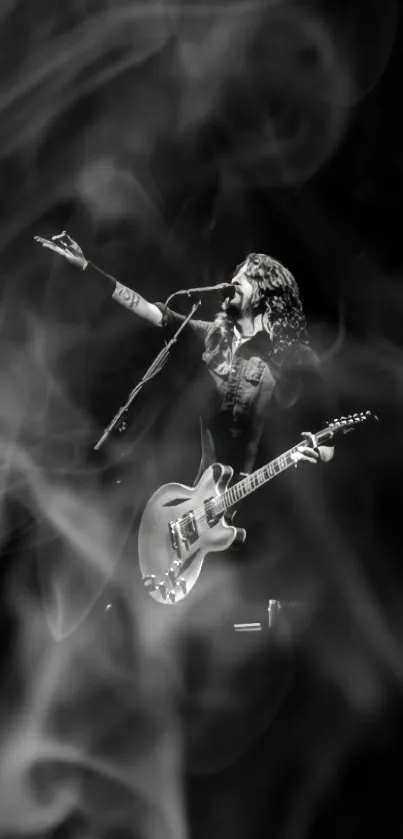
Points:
(249, 396)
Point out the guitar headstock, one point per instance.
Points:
(346, 424)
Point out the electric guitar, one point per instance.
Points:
(181, 525)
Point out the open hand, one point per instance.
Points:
(65, 246)
(311, 452)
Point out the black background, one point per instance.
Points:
(171, 140)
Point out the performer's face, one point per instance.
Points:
(244, 290)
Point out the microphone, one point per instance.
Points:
(226, 289)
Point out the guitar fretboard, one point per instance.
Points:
(252, 482)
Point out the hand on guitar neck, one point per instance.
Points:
(181, 525)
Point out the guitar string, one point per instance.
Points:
(200, 513)
(200, 516)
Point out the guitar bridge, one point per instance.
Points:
(187, 528)
(183, 532)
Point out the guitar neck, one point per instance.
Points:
(257, 479)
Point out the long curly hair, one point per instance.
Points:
(276, 297)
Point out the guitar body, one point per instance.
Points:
(171, 559)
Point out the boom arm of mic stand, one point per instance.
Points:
(152, 371)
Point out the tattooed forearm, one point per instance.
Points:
(136, 303)
(126, 296)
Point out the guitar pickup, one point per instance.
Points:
(211, 517)
(187, 528)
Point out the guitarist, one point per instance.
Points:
(256, 352)
(265, 387)
(264, 382)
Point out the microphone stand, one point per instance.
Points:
(155, 367)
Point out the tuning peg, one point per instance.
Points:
(172, 595)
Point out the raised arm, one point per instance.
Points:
(66, 247)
